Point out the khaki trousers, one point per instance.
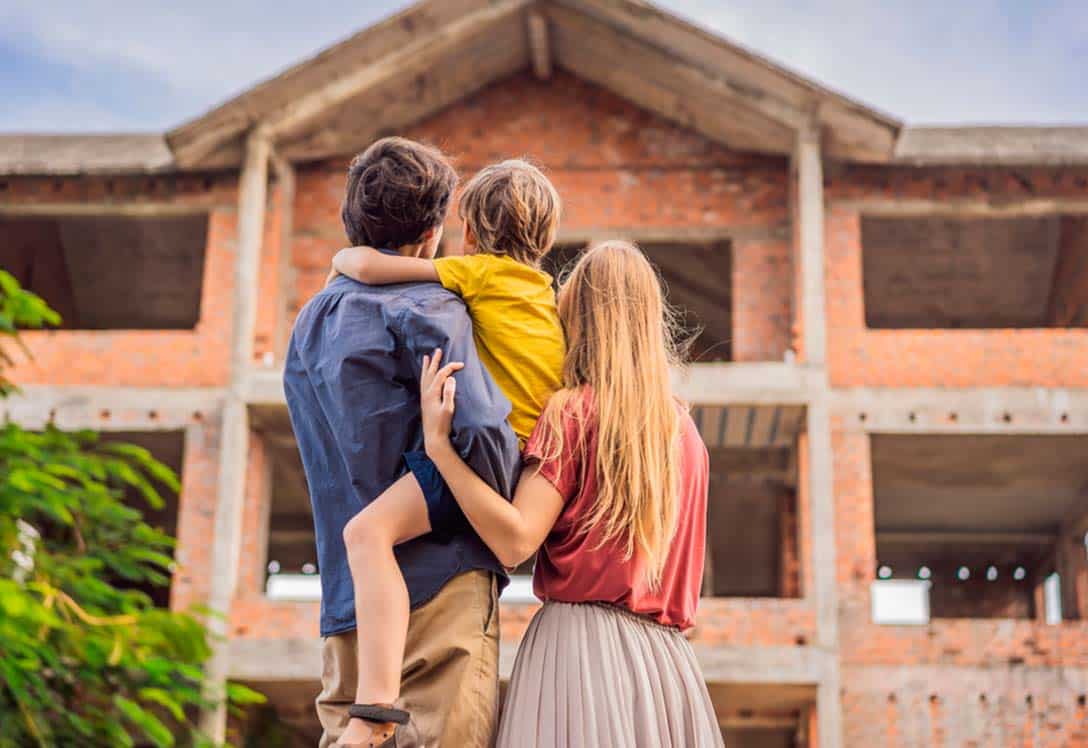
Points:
(450, 681)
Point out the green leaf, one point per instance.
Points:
(165, 700)
(148, 724)
(243, 695)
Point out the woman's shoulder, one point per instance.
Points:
(691, 438)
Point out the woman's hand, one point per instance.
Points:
(437, 388)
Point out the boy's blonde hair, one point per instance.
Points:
(512, 209)
(621, 343)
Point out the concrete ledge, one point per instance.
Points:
(264, 387)
(275, 659)
(1007, 410)
(747, 383)
(257, 660)
(112, 408)
(704, 384)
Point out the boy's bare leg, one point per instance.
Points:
(381, 597)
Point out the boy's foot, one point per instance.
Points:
(361, 734)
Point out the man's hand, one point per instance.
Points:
(437, 388)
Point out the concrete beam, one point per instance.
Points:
(275, 659)
(234, 426)
(1005, 410)
(746, 383)
(264, 387)
(699, 384)
(739, 233)
(997, 208)
(300, 659)
(112, 408)
(758, 723)
(540, 46)
(965, 540)
(142, 208)
(775, 665)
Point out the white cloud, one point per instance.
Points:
(924, 61)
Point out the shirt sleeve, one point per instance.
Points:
(464, 275)
(563, 469)
(480, 432)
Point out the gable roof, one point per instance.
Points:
(436, 52)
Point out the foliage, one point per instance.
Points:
(85, 657)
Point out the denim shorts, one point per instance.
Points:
(444, 512)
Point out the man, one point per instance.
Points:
(351, 380)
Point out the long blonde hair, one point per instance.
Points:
(620, 345)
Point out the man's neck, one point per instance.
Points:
(409, 250)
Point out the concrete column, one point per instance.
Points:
(234, 436)
(285, 178)
(1071, 558)
(808, 162)
(809, 233)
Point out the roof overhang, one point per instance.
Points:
(993, 146)
(85, 154)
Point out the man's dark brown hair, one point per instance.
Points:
(397, 189)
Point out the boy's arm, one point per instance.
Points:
(376, 268)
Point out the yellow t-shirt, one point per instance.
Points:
(516, 327)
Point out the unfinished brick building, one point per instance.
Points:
(891, 378)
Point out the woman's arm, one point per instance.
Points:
(376, 268)
(512, 530)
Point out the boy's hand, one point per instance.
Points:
(437, 389)
(333, 272)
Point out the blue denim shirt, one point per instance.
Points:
(352, 385)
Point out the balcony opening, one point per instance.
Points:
(937, 272)
(764, 715)
(977, 526)
(168, 447)
(292, 571)
(110, 272)
(752, 535)
(698, 282)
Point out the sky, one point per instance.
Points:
(149, 65)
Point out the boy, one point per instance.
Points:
(511, 213)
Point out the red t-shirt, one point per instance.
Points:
(570, 568)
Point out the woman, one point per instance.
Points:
(613, 495)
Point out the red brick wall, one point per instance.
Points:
(613, 165)
(170, 358)
(897, 707)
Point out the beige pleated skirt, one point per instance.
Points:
(594, 676)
